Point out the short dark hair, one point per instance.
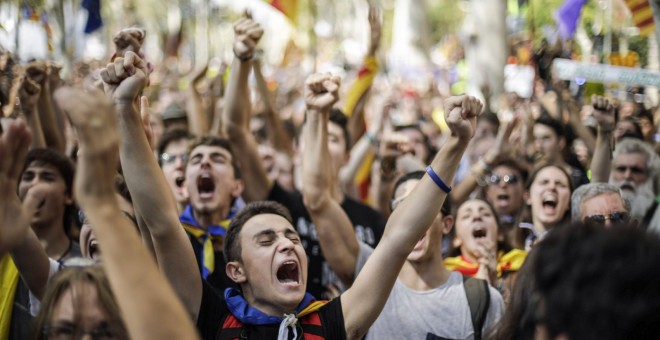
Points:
(597, 283)
(338, 117)
(219, 142)
(417, 175)
(171, 137)
(232, 247)
(552, 123)
(66, 169)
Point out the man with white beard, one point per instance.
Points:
(633, 167)
(635, 171)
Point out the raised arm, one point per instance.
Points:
(150, 311)
(236, 112)
(197, 118)
(601, 163)
(124, 80)
(276, 132)
(365, 299)
(335, 232)
(29, 94)
(39, 72)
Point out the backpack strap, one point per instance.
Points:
(231, 329)
(478, 296)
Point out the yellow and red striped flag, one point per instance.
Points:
(642, 14)
(287, 7)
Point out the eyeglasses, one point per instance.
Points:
(496, 179)
(617, 217)
(167, 158)
(69, 332)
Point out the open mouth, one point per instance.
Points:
(288, 273)
(549, 203)
(179, 181)
(503, 198)
(205, 186)
(479, 232)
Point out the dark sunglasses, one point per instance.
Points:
(496, 179)
(617, 217)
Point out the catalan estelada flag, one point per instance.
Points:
(642, 14)
(288, 7)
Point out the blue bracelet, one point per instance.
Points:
(437, 180)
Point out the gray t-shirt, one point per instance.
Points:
(443, 311)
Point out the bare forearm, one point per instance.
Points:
(34, 123)
(51, 133)
(144, 178)
(237, 110)
(197, 113)
(32, 263)
(335, 232)
(601, 162)
(410, 222)
(150, 311)
(316, 178)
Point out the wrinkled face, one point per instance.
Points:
(79, 309)
(505, 190)
(430, 245)
(273, 262)
(604, 204)
(546, 142)
(549, 196)
(210, 179)
(89, 246)
(173, 162)
(416, 140)
(337, 146)
(629, 167)
(475, 223)
(51, 209)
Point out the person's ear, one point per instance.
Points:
(68, 199)
(527, 198)
(235, 272)
(238, 188)
(457, 242)
(447, 224)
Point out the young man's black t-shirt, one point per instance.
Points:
(367, 222)
(213, 312)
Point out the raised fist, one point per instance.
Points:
(321, 91)
(461, 115)
(124, 79)
(29, 94)
(129, 39)
(247, 34)
(603, 112)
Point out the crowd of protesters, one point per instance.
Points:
(131, 209)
